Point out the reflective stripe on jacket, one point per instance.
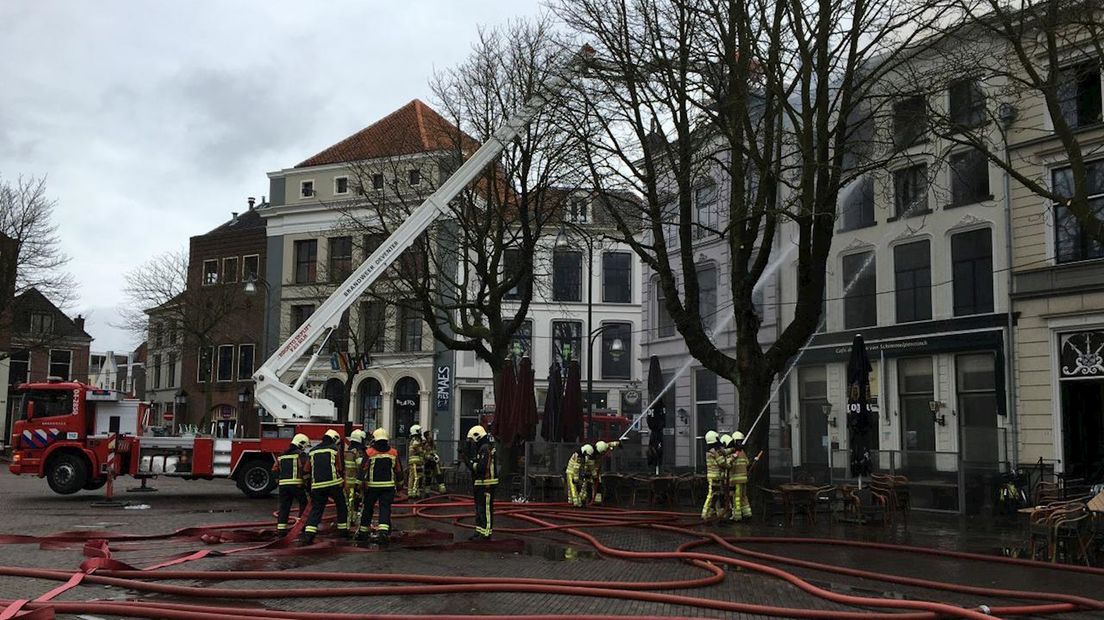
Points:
(485, 470)
(381, 469)
(354, 454)
(738, 468)
(715, 465)
(325, 471)
(415, 452)
(289, 465)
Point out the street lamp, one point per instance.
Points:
(251, 289)
(179, 402)
(616, 346)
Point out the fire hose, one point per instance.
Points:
(535, 519)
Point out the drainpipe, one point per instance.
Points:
(1007, 115)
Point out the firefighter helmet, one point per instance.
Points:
(332, 434)
(601, 447)
(358, 436)
(300, 441)
(726, 440)
(587, 450)
(380, 434)
(416, 430)
(476, 433)
(711, 437)
(737, 436)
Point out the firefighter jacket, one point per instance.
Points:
(291, 467)
(380, 468)
(415, 451)
(737, 464)
(483, 466)
(354, 454)
(326, 467)
(716, 464)
(580, 464)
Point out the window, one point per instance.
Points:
(665, 325)
(617, 351)
(860, 308)
(707, 295)
(967, 103)
(225, 370)
(173, 331)
(245, 361)
(415, 177)
(299, 315)
(617, 277)
(910, 191)
(306, 260)
(210, 272)
(374, 326)
(157, 371)
(341, 185)
(978, 406)
(705, 403)
(42, 323)
(705, 211)
(372, 243)
(567, 276)
(513, 265)
(20, 367)
(972, 272)
(251, 268)
(912, 281)
(1072, 243)
(171, 380)
(1079, 94)
(567, 338)
(158, 334)
(339, 339)
(910, 121)
(578, 211)
(61, 364)
(858, 204)
(306, 189)
(230, 269)
(410, 327)
(969, 177)
(521, 344)
(206, 358)
(377, 182)
(341, 258)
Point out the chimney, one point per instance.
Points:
(251, 200)
(79, 322)
(233, 217)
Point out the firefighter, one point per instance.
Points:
(578, 474)
(715, 468)
(291, 468)
(433, 475)
(601, 448)
(481, 461)
(351, 458)
(737, 463)
(380, 472)
(415, 461)
(327, 473)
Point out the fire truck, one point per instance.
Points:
(74, 434)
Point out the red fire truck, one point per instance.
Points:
(65, 429)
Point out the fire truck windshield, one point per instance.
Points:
(47, 403)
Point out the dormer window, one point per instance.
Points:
(578, 212)
(377, 182)
(341, 185)
(415, 177)
(306, 189)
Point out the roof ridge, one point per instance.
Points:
(420, 122)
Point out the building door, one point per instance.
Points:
(471, 404)
(406, 406)
(976, 381)
(916, 386)
(669, 422)
(371, 402)
(1081, 380)
(813, 395)
(334, 390)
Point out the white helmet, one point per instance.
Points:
(726, 440)
(332, 434)
(587, 450)
(358, 436)
(300, 440)
(601, 447)
(476, 433)
(711, 437)
(380, 434)
(737, 436)
(416, 430)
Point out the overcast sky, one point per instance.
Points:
(154, 120)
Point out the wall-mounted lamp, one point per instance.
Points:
(683, 416)
(827, 409)
(939, 418)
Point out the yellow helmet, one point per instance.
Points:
(601, 447)
(738, 436)
(300, 440)
(711, 437)
(380, 434)
(358, 436)
(726, 440)
(332, 434)
(476, 433)
(416, 430)
(587, 449)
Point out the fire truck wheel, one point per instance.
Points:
(95, 484)
(256, 479)
(66, 473)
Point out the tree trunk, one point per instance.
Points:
(754, 393)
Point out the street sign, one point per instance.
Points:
(167, 416)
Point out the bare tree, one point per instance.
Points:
(762, 109)
(196, 316)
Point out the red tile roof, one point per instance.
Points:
(413, 128)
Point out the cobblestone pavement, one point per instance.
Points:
(28, 507)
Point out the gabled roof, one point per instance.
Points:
(413, 128)
(33, 301)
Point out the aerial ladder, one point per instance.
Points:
(286, 402)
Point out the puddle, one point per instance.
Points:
(559, 553)
(102, 525)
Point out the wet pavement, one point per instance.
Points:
(27, 507)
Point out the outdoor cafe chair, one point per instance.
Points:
(1042, 526)
(1073, 531)
(772, 503)
(902, 495)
